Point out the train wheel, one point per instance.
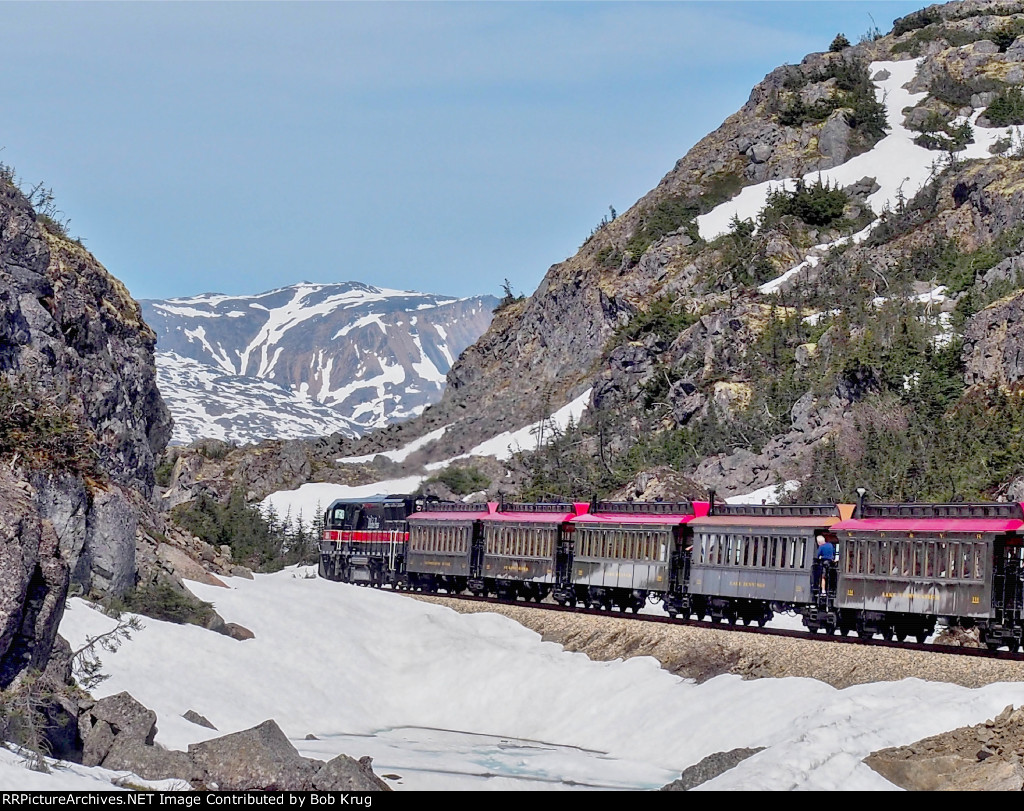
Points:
(920, 636)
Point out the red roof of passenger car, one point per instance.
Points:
(929, 525)
(767, 521)
(455, 515)
(671, 519)
(530, 517)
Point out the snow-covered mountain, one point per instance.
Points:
(307, 360)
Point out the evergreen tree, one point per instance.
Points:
(840, 43)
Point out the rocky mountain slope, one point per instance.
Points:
(825, 289)
(307, 360)
(81, 425)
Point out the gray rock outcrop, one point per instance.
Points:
(33, 581)
(994, 344)
(115, 718)
(197, 719)
(117, 732)
(348, 774)
(258, 758)
(709, 768)
(986, 757)
(83, 426)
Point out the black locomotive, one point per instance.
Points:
(896, 569)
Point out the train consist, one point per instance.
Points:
(889, 569)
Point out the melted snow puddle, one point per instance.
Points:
(420, 758)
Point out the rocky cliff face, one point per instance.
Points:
(81, 424)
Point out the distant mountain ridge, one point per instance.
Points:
(307, 359)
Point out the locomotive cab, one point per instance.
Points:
(364, 540)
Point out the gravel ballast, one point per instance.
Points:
(703, 653)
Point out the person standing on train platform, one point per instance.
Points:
(826, 552)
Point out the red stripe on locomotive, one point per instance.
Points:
(365, 536)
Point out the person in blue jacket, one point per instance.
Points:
(826, 551)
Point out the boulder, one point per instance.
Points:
(919, 774)
(985, 757)
(149, 761)
(197, 719)
(178, 563)
(236, 631)
(834, 138)
(348, 774)
(660, 484)
(261, 758)
(116, 717)
(759, 153)
(958, 637)
(949, 773)
(97, 738)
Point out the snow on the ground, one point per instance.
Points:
(309, 499)
(62, 776)
(765, 495)
(399, 454)
(899, 166)
(528, 438)
(445, 699)
(814, 318)
(935, 296)
(813, 258)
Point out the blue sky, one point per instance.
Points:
(443, 147)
